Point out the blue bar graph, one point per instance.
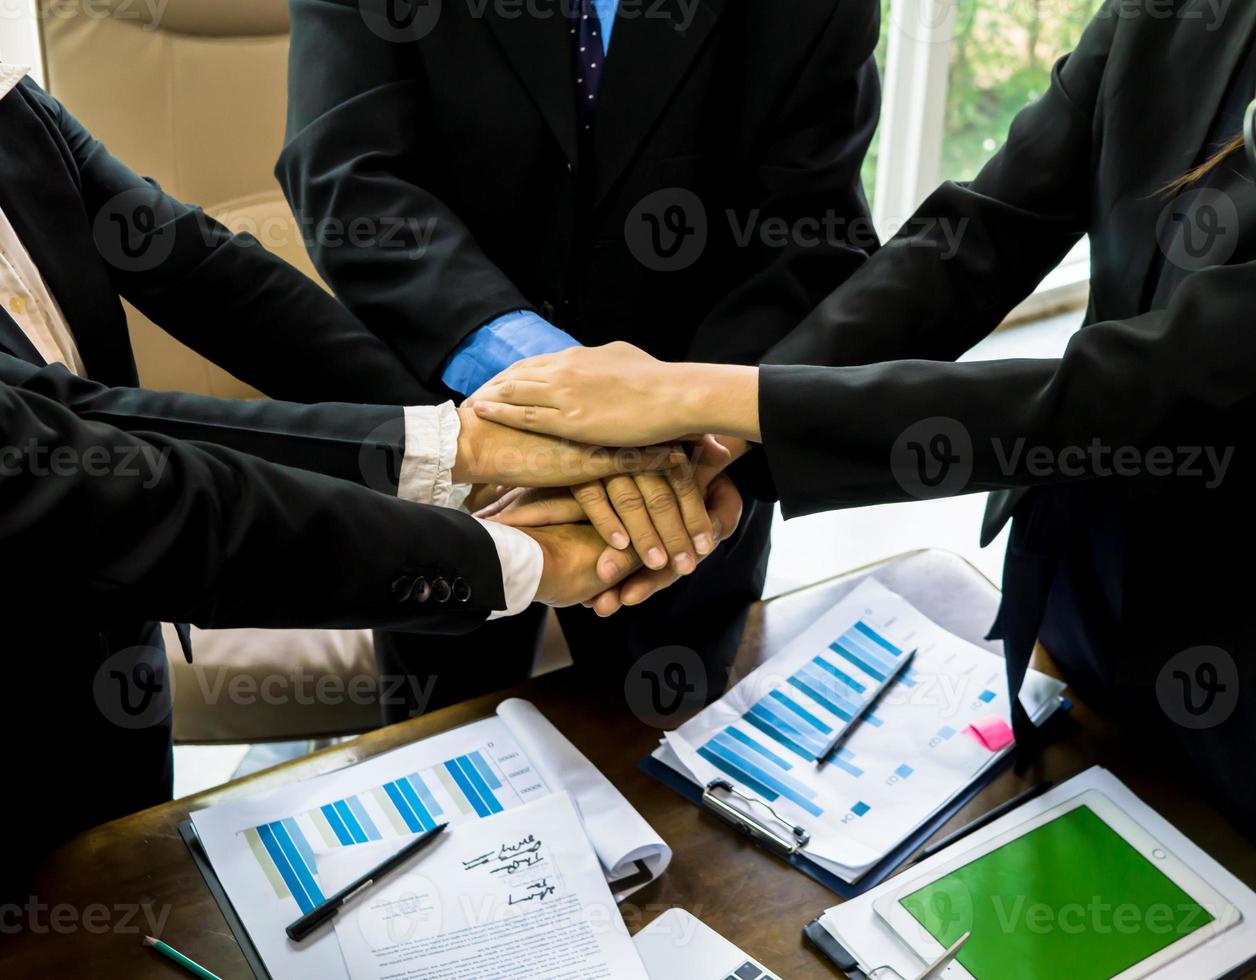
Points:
(364, 819)
(750, 743)
(338, 828)
(867, 664)
(416, 805)
(754, 770)
(298, 838)
(481, 798)
(986, 696)
(809, 688)
(877, 638)
(781, 739)
(843, 761)
(903, 771)
(802, 713)
(485, 772)
(297, 875)
(749, 782)
(477, 782)
(350, 821)
(425, 794)
(946, 732)
(853, 640)
(860, 808)
(803, 735)
(412, 822)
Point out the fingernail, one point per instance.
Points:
(607, 571)
(655, 558)
(619, 540)
(703, 543)
(718, 530)
(685, 563)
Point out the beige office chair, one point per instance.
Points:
(196, 100)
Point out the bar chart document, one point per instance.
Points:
(518, 895)
(942, 723)
(268, 850)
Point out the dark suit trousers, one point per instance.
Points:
(706, 612)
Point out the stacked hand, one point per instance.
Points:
(671, 508)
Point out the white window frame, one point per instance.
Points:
(909, 154)
(20, 41)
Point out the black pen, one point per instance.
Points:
(985, 819)
(331, 907)
(865, 709)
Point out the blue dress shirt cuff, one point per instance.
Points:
(492, 348)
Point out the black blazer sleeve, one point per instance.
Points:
(973, 251)
(154, 528)
(807, 166)
(224, 295)
(1179, 378)
(359, 443)
(353, 146)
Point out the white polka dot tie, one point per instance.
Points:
(586, 35)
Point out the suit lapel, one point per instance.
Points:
(539, 50)
(1156, 157)
(651, 50)
(41, 198)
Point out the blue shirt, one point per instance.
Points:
(521, 334)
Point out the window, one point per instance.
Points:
(956, 72)
(1000, 61)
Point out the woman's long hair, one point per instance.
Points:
(1207, 167)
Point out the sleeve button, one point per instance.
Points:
(401, 588)
(422, 590)
(462, 591)
(441, 590)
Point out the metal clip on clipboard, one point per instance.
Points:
(749, 824)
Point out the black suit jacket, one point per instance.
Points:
(1092, 156)
(454, 148)
(107, 531)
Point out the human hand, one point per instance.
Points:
(724, 505)
(663, 516)
(618, 395)
(572, 571)
(493, 453)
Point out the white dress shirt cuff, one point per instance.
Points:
(431, 450)
(522, 564)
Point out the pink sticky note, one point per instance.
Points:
(993, 733)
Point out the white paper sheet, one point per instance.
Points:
(618, 832)
(906, 761)
(264, 849)
(856, 925)
(519, 895)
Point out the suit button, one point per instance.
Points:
(441, 590)
(401, 588)
(462, 591)
(422, 590)
(571, 168)
(547, 310)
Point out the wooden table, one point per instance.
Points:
(140, 862)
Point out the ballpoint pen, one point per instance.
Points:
(312, 919)
(865, 709)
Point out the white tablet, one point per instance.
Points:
(1080, 890)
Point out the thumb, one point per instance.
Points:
(614, 565)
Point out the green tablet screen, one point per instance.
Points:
(1070, 898)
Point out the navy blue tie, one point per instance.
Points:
(587, 35)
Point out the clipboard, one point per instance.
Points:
(188, 832)
(791, 851)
